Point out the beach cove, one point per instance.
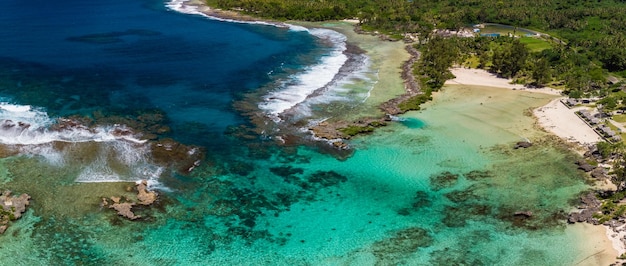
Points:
(441, 186)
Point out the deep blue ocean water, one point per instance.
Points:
(414, 193)
(138, 54)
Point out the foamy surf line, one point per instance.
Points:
(21, 133)
(182, 6)
(301, 86)
(354, 69)
(27, 125)
(311, 79)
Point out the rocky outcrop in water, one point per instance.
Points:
(125, 208)
(171, 153)
(585, 166)
(144, 196)
(523, 144)
(12, 208)
(590, 205)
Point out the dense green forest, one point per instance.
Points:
(593, 31)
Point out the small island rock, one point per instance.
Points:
(12, 208)
(144, 196)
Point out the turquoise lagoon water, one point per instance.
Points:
(438, 188)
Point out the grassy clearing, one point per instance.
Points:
(471, 62)
(504, 30)
(619, 118)
(535, 44)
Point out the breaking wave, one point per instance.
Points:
(116, 154)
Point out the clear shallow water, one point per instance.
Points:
(438, 188)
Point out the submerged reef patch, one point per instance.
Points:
(326, 178)
(66, 242)
(443, 180)
(420, 200)
(401, 245)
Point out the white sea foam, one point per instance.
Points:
(25, 134)
(369, 92)
(311, 79)
(47, 152)
(120, 156)
(301, 86)
(25, 114)
(350, 85)
(26, 125)
(131, 160)
(98, 172)
(180, 6)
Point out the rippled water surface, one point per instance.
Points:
(96, 95)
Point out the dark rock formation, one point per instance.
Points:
(590, 205)
(523, 214)
(401, 244)
(585, 166)
(523, 144)
(123, 209)
(478, 175)
(599, 173)
(182, 157)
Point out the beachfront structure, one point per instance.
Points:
(602, 129)
(608, 133)
(571, 102)
(587, 116)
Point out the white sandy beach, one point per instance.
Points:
(554, 117)
(598, 250)
(480, 77)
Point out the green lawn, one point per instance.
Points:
(504, 30)
(619, 118)
(535, 44)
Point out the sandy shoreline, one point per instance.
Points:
(471, 76)
(599, 247)
(561, 121)
(554, 117)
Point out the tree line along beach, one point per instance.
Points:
(554, 117)
(326, 146)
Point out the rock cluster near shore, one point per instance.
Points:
(590, 205)
(12, 208)
(523, 144)
(125, 208)
(411, 85)
(335, 132)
